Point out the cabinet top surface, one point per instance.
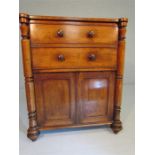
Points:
(80, 19)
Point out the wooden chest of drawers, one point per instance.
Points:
(73, 70)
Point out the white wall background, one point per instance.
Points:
(88, 8)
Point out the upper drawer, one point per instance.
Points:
(74, 33)
(63, 58)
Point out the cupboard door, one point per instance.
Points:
(95, 97)
(55, 99)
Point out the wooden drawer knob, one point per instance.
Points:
(90, 34)
(60, 33)
(92, 57)
(61, 57)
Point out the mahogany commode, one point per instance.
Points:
(73, 70)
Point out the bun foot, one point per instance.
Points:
(116, 126)
(33, 134)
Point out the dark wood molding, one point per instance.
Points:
(75, 19)
(24, 18)
(122, 28)
(24, 27)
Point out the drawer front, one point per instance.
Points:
(61, 33)
(61, 58)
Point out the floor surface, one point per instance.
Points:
(87, 141)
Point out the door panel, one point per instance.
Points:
(95, 97)
(55, 99)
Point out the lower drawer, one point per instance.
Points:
(62, 58)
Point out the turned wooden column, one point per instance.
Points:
(33, 131)
(117, 124)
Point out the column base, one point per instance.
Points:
(33, 133)
(116, 126)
